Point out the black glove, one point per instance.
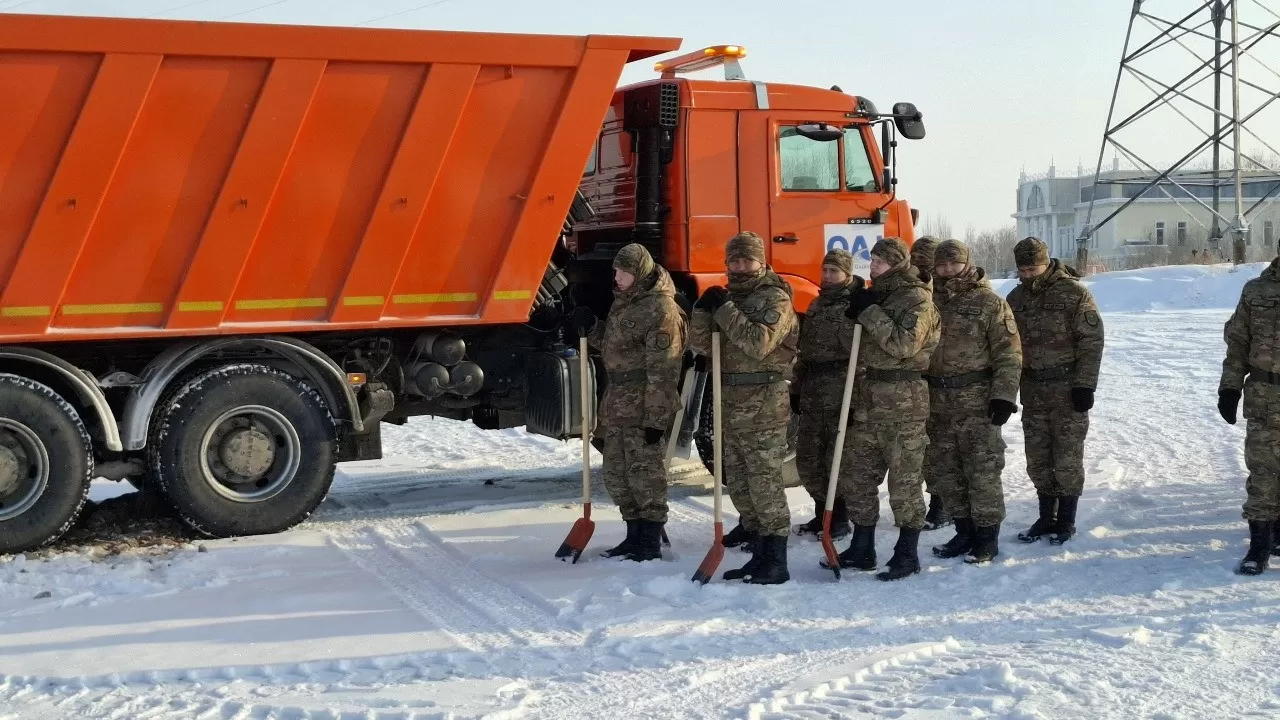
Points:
(583, 320)
(860, 300)
(652, 436)
(795, 404)
(1228, 400)
(712, 298)
(1081, 399)
(999, 411)
(700, 363)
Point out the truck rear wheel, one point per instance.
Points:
(244, 450)
(46, 464)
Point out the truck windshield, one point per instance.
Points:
(858, 175)
(812, 165)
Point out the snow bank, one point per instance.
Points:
(1174, 287)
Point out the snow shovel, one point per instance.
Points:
(583, 527)
(828, 546)
(674, 436)
(707, 569)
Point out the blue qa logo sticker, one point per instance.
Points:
(857, 240)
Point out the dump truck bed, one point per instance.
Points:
(181, 178)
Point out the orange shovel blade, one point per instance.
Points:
(829, 547)
(579, 536)
(707, 569)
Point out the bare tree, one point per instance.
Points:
(937, 225)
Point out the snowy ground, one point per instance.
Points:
(426, 588)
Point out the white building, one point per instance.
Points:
(1155, 228)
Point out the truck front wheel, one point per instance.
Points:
(46, 464)
(244, 450)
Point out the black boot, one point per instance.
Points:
(814, 526)
(772, 569)
(1259, 549)
(1044, 525)
(960, 544)
(757, 556)
(840, 526)
(1275, 537)
(1065, 526)
(937, 517)
(904, 561)
(861, 554)
(624, 547)
(648, 544)
(739, 537)
(986, 544)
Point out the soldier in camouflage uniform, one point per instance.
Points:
(817, 390)
(759, 333)
(973, 380)
(1062, 340)
(1252, 368)
(922, 252)
(641, 342)
(900, 332)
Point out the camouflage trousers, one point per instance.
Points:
(1055, 449)
(633, 474)
(966, 458)
(873, 449)
(1262, 457)
(815, 446)
(753, 460)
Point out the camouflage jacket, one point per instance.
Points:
(978, 333)
(759, 332)
(899, 333)
(642, 342)
(1253, 345)
(757, 324)
(1060, 327)
(825, 340)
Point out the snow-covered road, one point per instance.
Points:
(421, 591)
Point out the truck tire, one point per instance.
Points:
(46, 464)
(244, 450)
(706, 443)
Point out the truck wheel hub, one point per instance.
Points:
(247, 452)
(251, 454)
(24, 469)
(11, 470)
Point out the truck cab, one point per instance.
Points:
(683, 164)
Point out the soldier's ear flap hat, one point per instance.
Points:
(839, 259)
(1030, 251)
(634, 259)
(747, 245)
(951, 251)
(922, 251)
(891, 250)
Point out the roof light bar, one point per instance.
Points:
(707, 57)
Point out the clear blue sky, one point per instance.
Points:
(1003, 84)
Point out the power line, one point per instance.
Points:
(264, 6)
(423, 6)
(183, 6)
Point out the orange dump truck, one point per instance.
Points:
(229, 252)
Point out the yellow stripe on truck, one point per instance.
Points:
(433, 298)
(282, 304)
(512, 295)
(25, 311)
(363, 300)
(114, 309)
(206, 306)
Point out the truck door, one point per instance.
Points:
(824, 192)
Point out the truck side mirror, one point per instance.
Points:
(821, 132)
(909, 121)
